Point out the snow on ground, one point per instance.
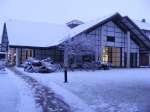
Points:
(76, 104)
(116, 90)
(15, 95)
(8, 94)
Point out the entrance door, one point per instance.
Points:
(133, 59)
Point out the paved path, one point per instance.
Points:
(44, 96)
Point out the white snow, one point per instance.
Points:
(8, 94)
(25, 33)
(142, 25)
(15, 96)
(76, 103)
(116, 90)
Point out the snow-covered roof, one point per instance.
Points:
(81, 28)
(142, 25)
(25, 33)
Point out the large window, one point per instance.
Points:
(113, 56)
(114, 36)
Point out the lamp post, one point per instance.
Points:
(65, 75)
(66, 63)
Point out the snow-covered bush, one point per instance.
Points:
(77, 48)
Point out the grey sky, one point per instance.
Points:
(61, 11)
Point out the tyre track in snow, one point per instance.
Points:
(44, 96)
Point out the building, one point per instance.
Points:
(145, 27)
(113, 39)
(23, 39)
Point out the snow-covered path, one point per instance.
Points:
(22, 93)
(15, 95)
(18, 92)
(8, 94)
(44, 97)
(116, 90)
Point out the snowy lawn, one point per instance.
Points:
(116, 90)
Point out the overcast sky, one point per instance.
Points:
(62, 11)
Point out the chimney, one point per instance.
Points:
(74, 23)
(143, 20)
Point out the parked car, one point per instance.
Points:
(49, 63)
(44, 66)
(35, 66)
(44, 69)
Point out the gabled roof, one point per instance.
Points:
(84, 27)
(142, 25)
(25, 33)
(123, 21)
